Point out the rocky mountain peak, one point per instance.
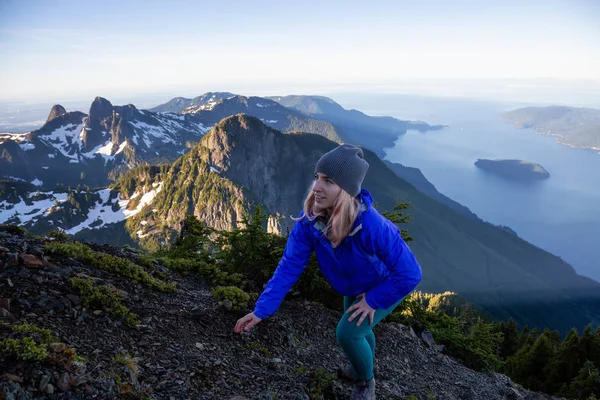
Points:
(56, 111)
(238, 132)
(129, 112)
(100, 108)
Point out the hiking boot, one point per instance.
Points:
(364, 390)
(347, 373)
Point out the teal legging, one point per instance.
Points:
(358, 342)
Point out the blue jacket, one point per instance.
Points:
(373, 258)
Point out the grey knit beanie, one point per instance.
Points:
(346, 166)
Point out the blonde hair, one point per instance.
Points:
(340, 218)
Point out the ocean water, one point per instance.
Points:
(560, 214)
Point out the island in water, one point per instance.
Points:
(514, 169)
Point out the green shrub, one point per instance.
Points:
(106, 262)
(44, 335)
(102, 297)
(321, 381)
(254, 345)
(237, 296)
(14, 229)
(465, 336)
(59, 236)
(25, 349)
(28, 342)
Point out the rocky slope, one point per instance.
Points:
(183, 346)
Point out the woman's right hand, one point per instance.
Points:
(246, 323)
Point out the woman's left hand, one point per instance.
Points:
(361, 308)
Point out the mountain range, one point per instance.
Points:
(74, 148)
(243, 161)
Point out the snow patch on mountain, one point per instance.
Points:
(105, 150)
(65, 139)
(23, 139)
(17, 137)
(146, 199)
(27, 212)
(99, 214)
(103, 214)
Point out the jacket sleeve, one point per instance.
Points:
(404, 270)
(295, 258)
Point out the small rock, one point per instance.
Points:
(44, 382)
(30, 261)
(12, 260)
(58, 347)
(78, 380)
(74, 299)
(48, 263)
(275, 364)
(227, 304)
(64, 382)
(200, 346)
(97, 313)
(4, 314)
(5, 303)
(428, 338)
(25, 303)
(412, 333)
(49, 389)
(238, 398)
(143, 328)
(11, 377)
(4, 250)
(37, 251)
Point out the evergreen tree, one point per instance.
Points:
(566, 364)
(523, 337)
(589, 345)
(586, 385)
(530, 365)
(510, 343)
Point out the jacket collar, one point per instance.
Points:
(365, 202)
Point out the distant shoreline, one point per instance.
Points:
(561, 140)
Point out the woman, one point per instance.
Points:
(360, 253)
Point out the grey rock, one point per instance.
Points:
(44, 382)
(63, 382)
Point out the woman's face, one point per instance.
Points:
(325, 190)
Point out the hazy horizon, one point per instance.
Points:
(69, 50)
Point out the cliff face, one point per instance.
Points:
(239, 164)
(269, 165)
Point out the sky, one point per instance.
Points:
(65, 49)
